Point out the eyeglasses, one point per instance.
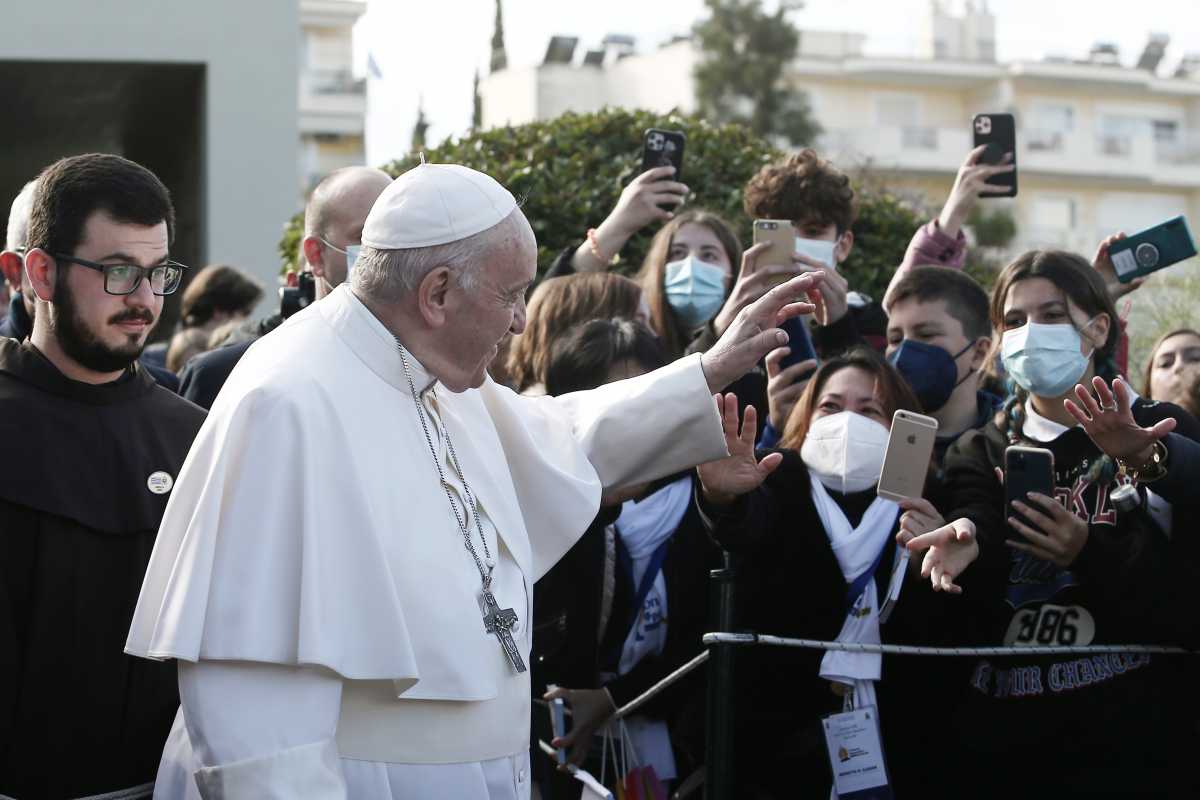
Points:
(123, 279)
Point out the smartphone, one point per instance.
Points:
(800, 344)
(906, 460)
(663, 149)
(1026, 469)
(1152, 249)
(782, 238)
(558, 725)
(999, 133)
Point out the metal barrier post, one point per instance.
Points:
(719, 744)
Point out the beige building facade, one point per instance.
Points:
(1101, 147)
(332, 101)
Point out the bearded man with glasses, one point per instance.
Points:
(100, 444)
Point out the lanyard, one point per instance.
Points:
(859, 584)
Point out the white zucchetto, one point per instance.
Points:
(436, 204)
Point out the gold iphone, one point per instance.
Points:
(906, 461)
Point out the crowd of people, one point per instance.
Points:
(100, 425)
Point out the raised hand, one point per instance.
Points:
(754, 280)
(949, 550)
(1103, 263)
(833, 293)
(1110, 424)
(785, 385)
(639, 205)
(739, 472)
(969, 185)
(754, 331)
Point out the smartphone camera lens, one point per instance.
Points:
(1146, 255)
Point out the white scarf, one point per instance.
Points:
(856, 550)
(643, 526)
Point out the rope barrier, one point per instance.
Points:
(915, 650)
(649, 694)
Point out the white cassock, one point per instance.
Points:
(312, 581)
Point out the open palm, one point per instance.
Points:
(949, 550)
(739, 472)
(1108, 419)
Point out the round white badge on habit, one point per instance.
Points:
(159, 482)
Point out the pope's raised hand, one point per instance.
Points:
(755, 332)
(739, 472)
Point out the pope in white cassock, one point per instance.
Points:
(344, 571)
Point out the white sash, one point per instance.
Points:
(857, 550)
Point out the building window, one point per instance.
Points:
(1050, 123)
(1116, 134)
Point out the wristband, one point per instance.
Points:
(594, 246)
(1152, 470)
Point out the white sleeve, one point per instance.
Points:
(263, 730)
(646, 427)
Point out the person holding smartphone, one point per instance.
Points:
(819, 559)
(1079, 571)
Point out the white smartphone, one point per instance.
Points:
(906, 462)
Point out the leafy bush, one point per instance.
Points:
(569, 172)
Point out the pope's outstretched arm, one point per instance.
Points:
(635, 430)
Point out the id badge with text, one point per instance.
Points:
(856, 755)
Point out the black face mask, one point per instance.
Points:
(82, 344)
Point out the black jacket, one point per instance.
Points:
(1091, 717)
(570, 649)
(204, 375)
(790, 584)
(78, 519)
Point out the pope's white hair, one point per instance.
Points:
(389, 275)
(18, 218)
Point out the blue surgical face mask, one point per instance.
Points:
(351, 252)
(695, 290)
(1044, 360)
(930, 371)
(818, 250)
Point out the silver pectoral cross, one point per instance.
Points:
(500, 622)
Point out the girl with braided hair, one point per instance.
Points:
(1072, 569)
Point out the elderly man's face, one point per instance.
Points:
(492, 308)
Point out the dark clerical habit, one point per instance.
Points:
(86, 476)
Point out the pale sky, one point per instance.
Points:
(430, 49)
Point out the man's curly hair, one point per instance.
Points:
(802, 188)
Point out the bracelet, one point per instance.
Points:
(1154, 469)
(594, 246)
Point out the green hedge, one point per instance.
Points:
(569, 172)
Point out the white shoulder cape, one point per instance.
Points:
(307, 525)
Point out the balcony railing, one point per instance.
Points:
(325, 82)
(1184, 150)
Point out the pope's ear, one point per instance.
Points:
(432, 295)
(41, 269)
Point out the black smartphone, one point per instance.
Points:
(1026, 469)
(999, 133)
(663, 149)
(799, 342)
(1152, 249)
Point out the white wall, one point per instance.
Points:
(249, 50)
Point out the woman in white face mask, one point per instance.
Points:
(819, 560)
(1077, 567)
